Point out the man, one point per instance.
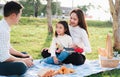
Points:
(9, 64)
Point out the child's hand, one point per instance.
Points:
(56, 61)
(59, 50)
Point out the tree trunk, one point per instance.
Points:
(36, 9)
(115, 12)
(49, 19)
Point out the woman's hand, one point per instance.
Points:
(56, 61)
(73, 46)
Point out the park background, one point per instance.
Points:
(32, 35)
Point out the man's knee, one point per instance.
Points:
(22, 68)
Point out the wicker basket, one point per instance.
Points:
(108, 63)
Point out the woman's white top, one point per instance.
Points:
(80, 38)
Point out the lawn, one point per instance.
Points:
(31, 35)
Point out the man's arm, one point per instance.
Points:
(12, 59)
(15, 52)
(27, 61)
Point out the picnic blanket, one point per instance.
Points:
(90, 67)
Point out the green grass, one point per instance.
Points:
(97, 37)
(31, 35)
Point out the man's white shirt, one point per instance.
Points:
(4, 40)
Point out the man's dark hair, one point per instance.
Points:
(12, 7)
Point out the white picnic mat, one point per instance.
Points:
(90, 67)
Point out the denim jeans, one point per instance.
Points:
(61, 57)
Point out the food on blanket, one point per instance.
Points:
(51, 73)
(64, 70)
(46, 73)
(109, 47)
(108, 51)
(106, 55)
(102, 52)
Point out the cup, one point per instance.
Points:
(118, 56)
(115, 54)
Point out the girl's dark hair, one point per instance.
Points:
(12, 7)
(81, 19)
(66, 28)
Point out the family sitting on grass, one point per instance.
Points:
(68, 45)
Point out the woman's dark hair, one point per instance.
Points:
(81, 19)
(12, 7)
(66, 28)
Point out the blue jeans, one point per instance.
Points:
(61, 57)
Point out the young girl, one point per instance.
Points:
(79, 34)
(62, 39)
